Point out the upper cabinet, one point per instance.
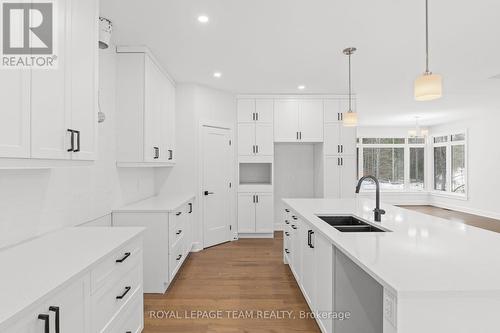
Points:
(51, 113)
(255, 111)
(146, 111)
(255, 127)
(335, 109)
(298, 121)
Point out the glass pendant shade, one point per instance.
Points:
(428, 87)
(350, 119)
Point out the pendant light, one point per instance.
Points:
(351, 117)
(418, 132)
(428, 86)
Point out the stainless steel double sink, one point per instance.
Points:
(349, 224)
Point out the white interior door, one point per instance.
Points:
(311, 121)
(217, 174)
(286, 121)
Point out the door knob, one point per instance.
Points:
(208, 193)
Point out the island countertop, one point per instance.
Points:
(421, 253)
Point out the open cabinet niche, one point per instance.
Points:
(256, 174)
(298, 173)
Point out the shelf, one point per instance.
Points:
(256, 174)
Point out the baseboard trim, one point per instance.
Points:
(196, 247)
(260, 235)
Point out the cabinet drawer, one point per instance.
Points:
(130, 318)
(177, 256)
(113, 297)
(116, 265)
(177, 228)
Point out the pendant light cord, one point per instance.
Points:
(350, 92)
(427, 36)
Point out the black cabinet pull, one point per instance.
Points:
(287, 233)
(287, 222)
(46, 319)
(72, 140)
(309, 238)
(257, 149)
(257, 198)
(125, 256)
(178, 232)
(300, 135)
(311, 245)
(207, 193)
(342, 149)
(287, 210)
(253, 116)
(127, 289)
(295, 218)
(77, 141)
(156, 152)
(56, 310)
(178, 214)
(257, 116)
(294, 227)
(179, 257)
(170, 154)
(190, 208)
(286, 251)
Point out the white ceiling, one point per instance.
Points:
(272, 46)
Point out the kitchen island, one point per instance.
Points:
(420, 274)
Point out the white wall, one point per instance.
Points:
(195, 104)
(483, 161)
(293, 175)
(33, 202)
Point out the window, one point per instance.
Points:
(398, 163)
(450, 163)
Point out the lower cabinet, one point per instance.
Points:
(167, 242)
(310, 256)
(107, 297)
(255, 213)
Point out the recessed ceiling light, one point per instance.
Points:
(301, 87)
(203, 19)
(217, 75)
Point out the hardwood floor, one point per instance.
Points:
(469, 219)
(246, 275)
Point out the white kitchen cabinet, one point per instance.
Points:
(308, 264)
(339, 140)
(51, 114)
(324, 273)
(255, 111)
(146, 116)
(298, 121)
(296, 265)
(76, 290)
(15, 116)
(311, 121)
(340, 176)
(255, 139)
(167, 238)
(255, 214)
(335, 109)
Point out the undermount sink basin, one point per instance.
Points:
(341, 220)
(349, 224)
(361, 228)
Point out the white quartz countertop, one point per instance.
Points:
(422, 253)
(157, 204)
(32, 270)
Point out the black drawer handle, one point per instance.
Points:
(190, 208)
(178, 214)
(287, 252)
(179, 257)
(170, 154)
(77, 142)
(287, 233)
(294, 227)
(72, 140)
(127, 289)
(46, 319)
(56, 310)
(178, 232)
(287, 222)
(287, 210)
(294, 217)
(126, 255)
